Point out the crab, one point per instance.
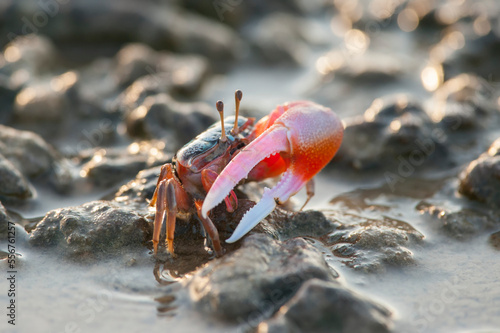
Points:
(296, 140)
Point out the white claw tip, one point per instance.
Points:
(256, 214)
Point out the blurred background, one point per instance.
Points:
(144, 75)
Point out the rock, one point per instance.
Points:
(395, 133)
(33, 157)
(367, 68)
(278, 40)
(255, 281)
(137, 92)
(238, 13)
(138, 191)
(481, 179)
(93, 23)
(28, 56)
(178, 74)
(46, 101)
(110, 166)
(162, 117)
(310, 223)
(463, 50)
(370, 245)
(324, 306)
(495, 240)
(460, 225)
(3, 222)
(98, 227)
(8, 93)
(12, 182)
(464, 102)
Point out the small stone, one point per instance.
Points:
(495, 240)
(463, 102)
(460, 225)
(481, 179)
(34, 157)
(12, 182)
(3, 221)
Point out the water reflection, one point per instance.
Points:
(356, 41)
(432, 77)
(482, 26)
(408, 20)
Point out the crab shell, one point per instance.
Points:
(206, 151)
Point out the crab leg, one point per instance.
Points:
(307, 136)
(165, 203)
(210, 229)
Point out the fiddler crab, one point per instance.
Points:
(297, 139)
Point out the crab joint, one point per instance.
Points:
(220, 107)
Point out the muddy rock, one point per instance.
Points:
(28, 56)
(481, 179)
(255, 281)
(8, 93)
(93, 228)
(14, 185)
(279, 40)
(91, 22)
(495, 240)
(324, 306)
(137, 92)
(464, 102)
(160, 116)
(364, 69)
(33, 157)
(3, 221)
(47, 100)
(109, 166)
(310, 223)
(460, 225)
(370, 245)
(139, 190)
(237, 13)
(186, 73)
(469, 48)
(395, 132)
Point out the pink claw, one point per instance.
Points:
(307, 136)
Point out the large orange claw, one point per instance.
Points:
(306, 135)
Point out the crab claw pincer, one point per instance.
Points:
(306, 136)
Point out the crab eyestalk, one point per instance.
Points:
(238, 95)
(220, 107)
